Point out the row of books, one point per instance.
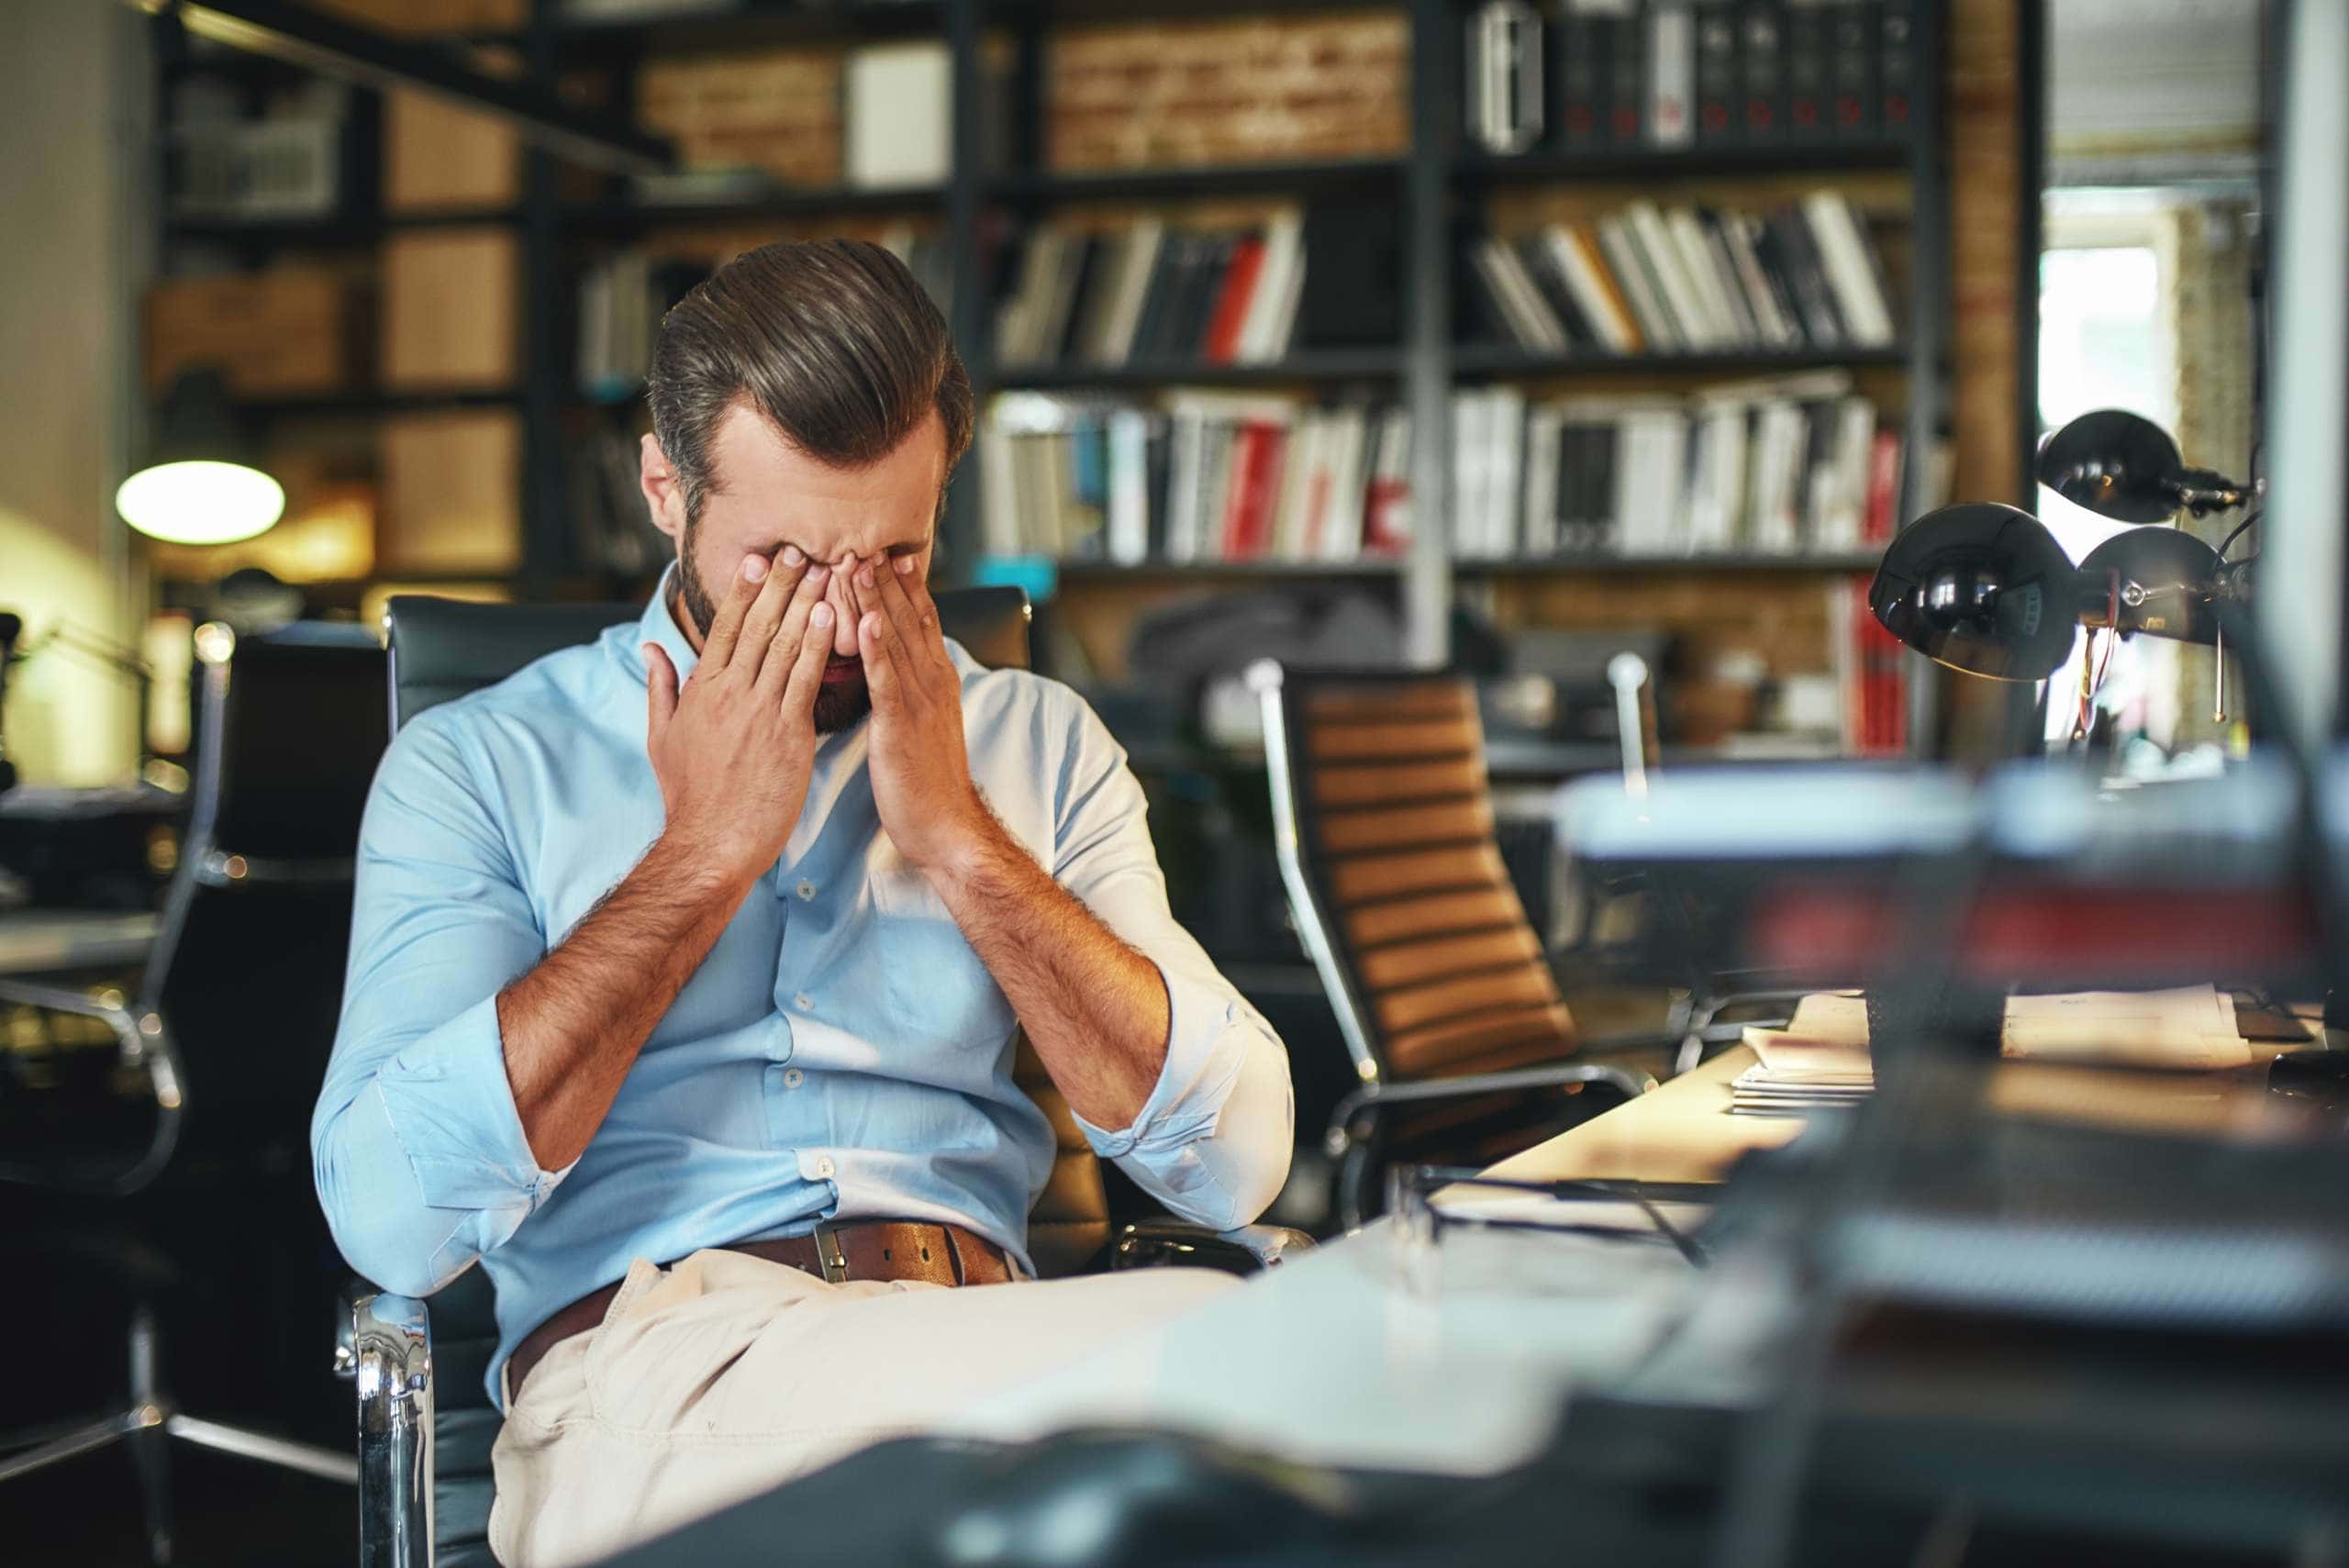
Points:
(1651, 280)
(1205, 477)
(1156, 292)
(1677, 74)
(624, 294)
(1794, 465)
(609, 528)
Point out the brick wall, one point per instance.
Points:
(1129, 96)
(778, 110)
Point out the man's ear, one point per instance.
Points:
(664, 492)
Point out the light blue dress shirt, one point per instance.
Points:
(842, 1054)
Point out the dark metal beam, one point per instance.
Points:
(332, 47)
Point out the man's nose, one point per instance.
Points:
(843, 608)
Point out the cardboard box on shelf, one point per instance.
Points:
(776, 110)
(439, 156)
(278, 333)
(449, 310)
(451, 492)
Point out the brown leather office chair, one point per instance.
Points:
(1382, 822)
(425, 1441)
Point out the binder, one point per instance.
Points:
(1584, 64)
(1762, 68)
(1807, 72)
(1897, 65)
(1626, 86)
(1672, 74)
(1852, 30)
(1719, 117)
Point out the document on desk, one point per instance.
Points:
(1821, 1058)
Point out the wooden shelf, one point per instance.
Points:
(335, 404)
(1133, 185)
(1650, 163)
(1313, 365)
(335, 231)
(758, 22)
(629, 216)
(1106, 571)
(1693, 566)
(1508, 360)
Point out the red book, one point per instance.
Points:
(1232, 306)
(1255, 476)
(1884, 489)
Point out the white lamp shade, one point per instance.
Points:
(200, 502)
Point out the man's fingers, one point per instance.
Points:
(660, 692)
(889, 594)
(885, 675)
(808, 665)
(875, 589)
(767, 611)
(728, 624)
(789, 639)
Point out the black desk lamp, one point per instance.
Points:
(2125, 467)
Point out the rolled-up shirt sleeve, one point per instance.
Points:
(1213, 1140)
(416, 1148)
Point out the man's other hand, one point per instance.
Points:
(733, 749)
(922, 773)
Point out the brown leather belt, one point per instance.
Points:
(864, 1249)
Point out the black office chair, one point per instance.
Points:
(426, 1424)
(234, 1015)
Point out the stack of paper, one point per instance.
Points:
(1821, 1058)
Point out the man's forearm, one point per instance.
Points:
(1096, 1010)
(572, 1026)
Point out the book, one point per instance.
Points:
(1851, 45)
(1356, 301)
(1234, 294)
(1773, 311)
(1662, 256)
(1807, 70)
(1595, 289)
(1387, 505)
(1582, 65)
(1851, 268)
(896, 102)
(1271, 319)
(1896, 65)
(1672, 73)
(1129, 290)
(1658, 326)
(1791, 249)
(1719, 119)
(1761, 71)
(1710, 288)
(1540, 264)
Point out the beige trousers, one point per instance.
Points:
(724, 1374)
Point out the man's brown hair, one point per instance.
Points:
(833, 342)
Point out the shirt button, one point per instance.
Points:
(793, 1077)
(806, 890)
(825, 1167)
(801, 1002)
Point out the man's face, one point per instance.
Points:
(765, 494)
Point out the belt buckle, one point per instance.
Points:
(829, 1255)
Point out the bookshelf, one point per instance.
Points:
(1433, 181)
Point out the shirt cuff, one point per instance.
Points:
(451, 1111)
(1205, 1048)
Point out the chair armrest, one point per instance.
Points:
(1154, 1243)
(385, 1347)
(1348, 1122)
(143, 1042)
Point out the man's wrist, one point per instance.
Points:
(695, 869)
(963, 850)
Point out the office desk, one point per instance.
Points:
(54, 942)
(1683, 1132)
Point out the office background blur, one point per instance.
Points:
(1216, 269)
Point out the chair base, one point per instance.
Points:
(148, 1426)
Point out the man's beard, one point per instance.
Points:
(840, 705)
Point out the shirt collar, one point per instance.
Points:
(657, 625)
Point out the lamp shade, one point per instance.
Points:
(1982, 588)
(2115, 463)
(2160, 582)
(200, 484)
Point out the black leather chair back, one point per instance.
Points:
(247, 973)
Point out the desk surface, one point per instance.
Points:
(48, 941)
